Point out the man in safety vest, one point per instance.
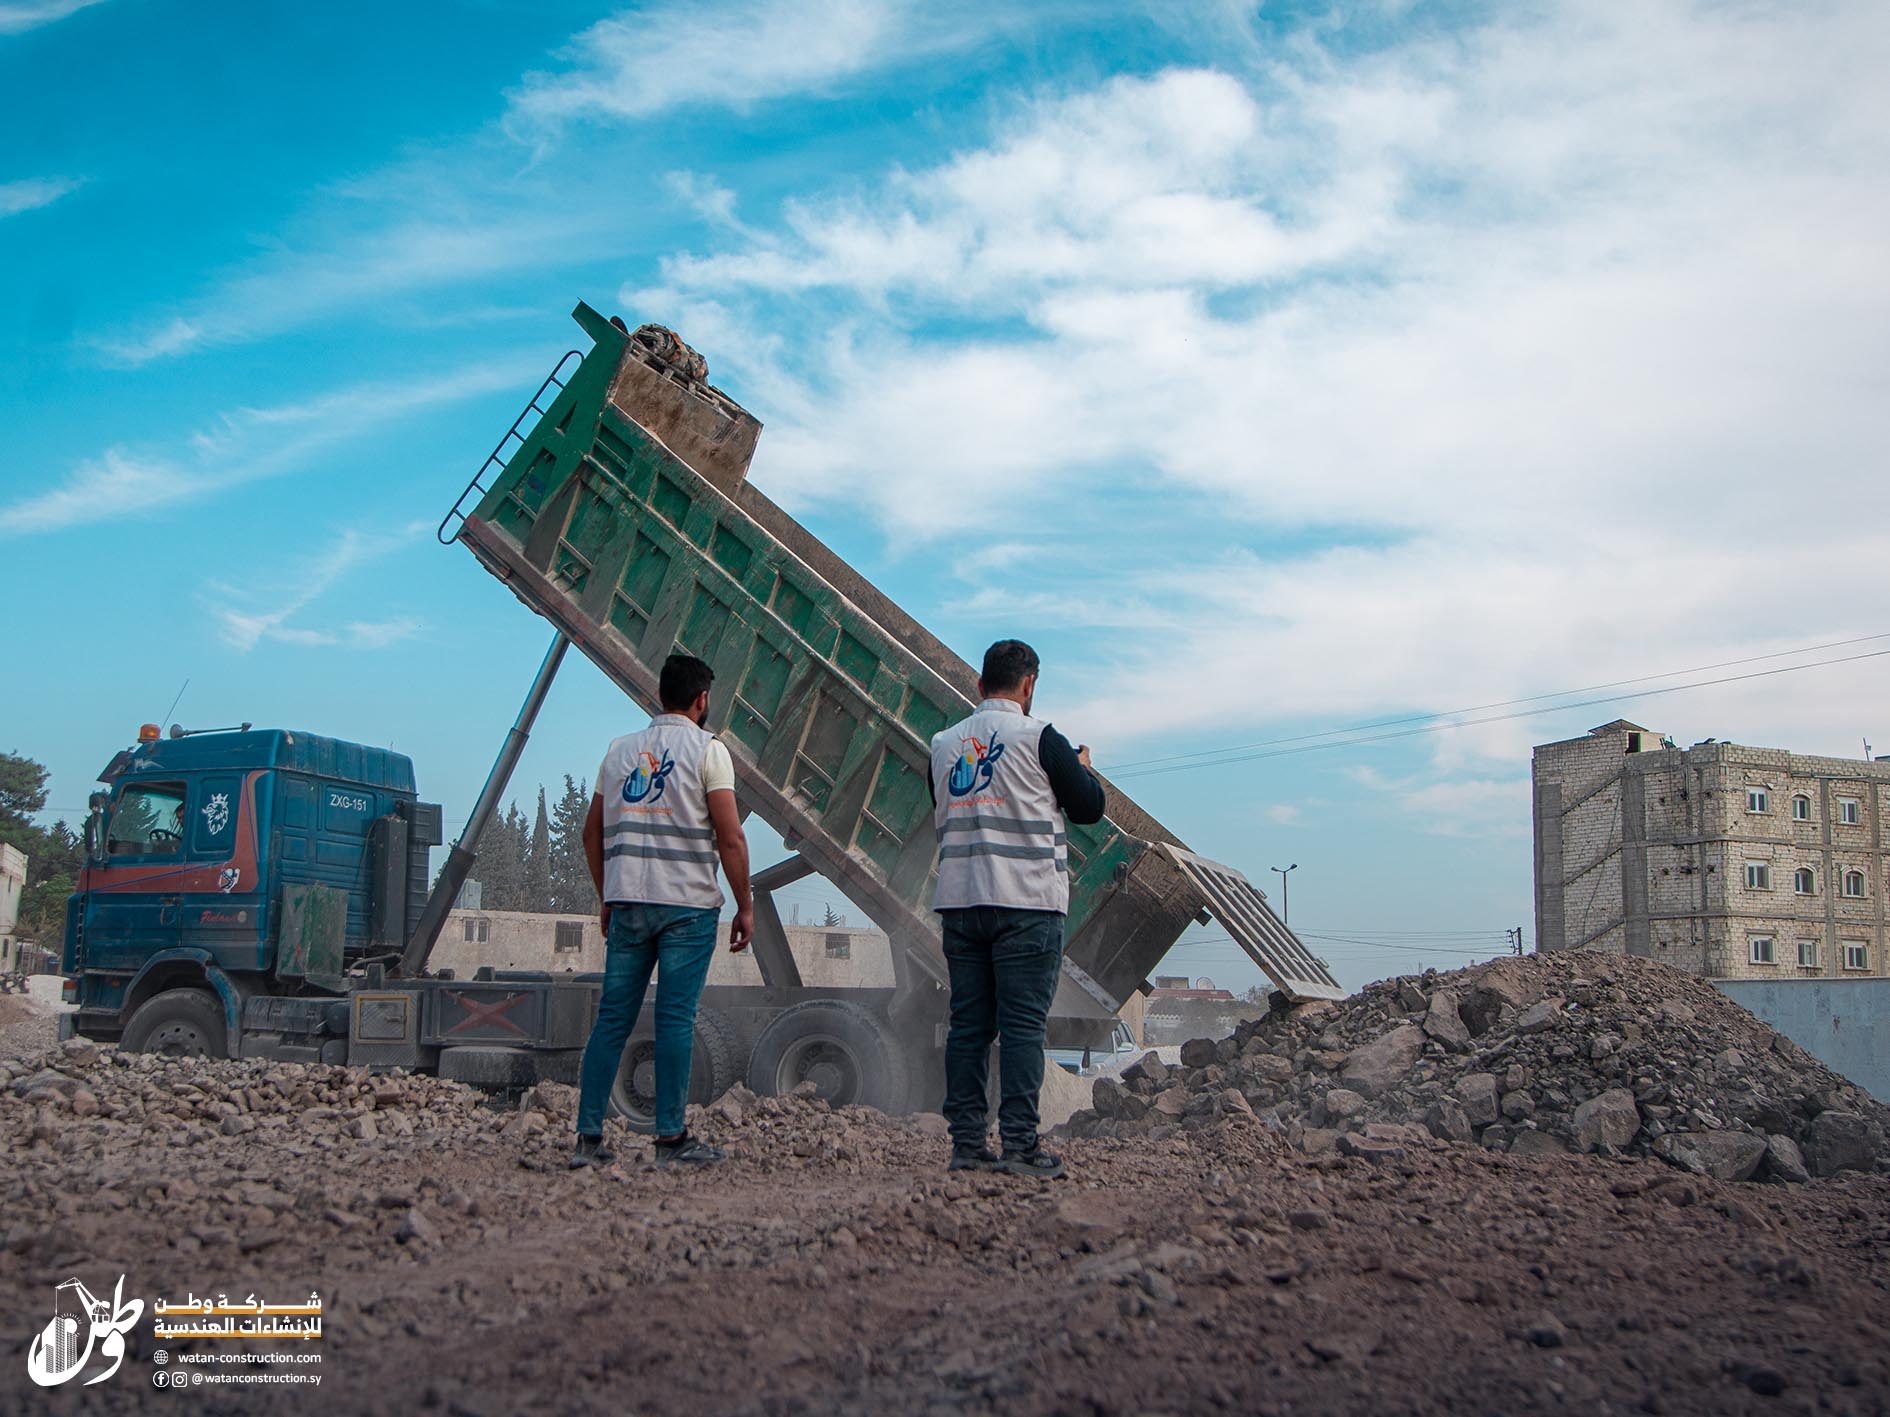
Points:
(1002, 783)
(663, 813)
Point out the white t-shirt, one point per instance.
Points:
(718, 770)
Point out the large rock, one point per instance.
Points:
(1199, 1053)
(1498, 992)
(1725, 1156)
(1478, 1093)
(1445, 1024)
(1611, 1119)
(1538, 1017)
(1840, 1141)
(1381, 1064)
(1448, 1121)
(1106, 1097)
(1784, 1161)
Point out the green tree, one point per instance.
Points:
(571, 890)
(538, 859)
(22, 793)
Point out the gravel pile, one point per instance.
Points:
(1550, 1053)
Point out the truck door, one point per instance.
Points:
(135, 905)
(223, 909)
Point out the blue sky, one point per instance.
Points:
(1273, 368)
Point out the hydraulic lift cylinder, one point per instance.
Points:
(459, 861)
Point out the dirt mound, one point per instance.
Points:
(1562, 1052)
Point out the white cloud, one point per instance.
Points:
(244, 445)
(31, 193)
(1284, 813)
(246, 618)
(664, 57)
(331, 272)
(18, 16)
(1552, 351)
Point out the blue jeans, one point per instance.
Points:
(1004, 966)
(682, 939)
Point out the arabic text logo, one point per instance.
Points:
(648, 778)
(56, 1355)
(976, 762)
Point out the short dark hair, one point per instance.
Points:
(1007, 664)
(684, 680)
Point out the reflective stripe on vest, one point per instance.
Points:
(659, 844)
(1000, 831)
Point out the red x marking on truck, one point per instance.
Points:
(479, 1013)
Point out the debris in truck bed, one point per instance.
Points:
(1549, 1053)
(831, 1265)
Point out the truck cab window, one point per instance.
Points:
(148, 820)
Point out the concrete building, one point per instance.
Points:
(12, 884)
(838, 958)
(830, 958)
(1726, 861)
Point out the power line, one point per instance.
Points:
(1241, 756)
(1505, 703)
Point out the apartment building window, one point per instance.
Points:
(478, 931)
(1761, 949)
(1801, 808)
(1807, 954)
(839, 946)
(1758, 800)
(1804, 882)
(1758, 876)
(1856, 954)
(1850, 811)
(1854, 884)
(569, 938)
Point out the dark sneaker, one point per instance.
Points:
(1036, 1162)
(591, 1151)
(973, 1158)
(687, 1151)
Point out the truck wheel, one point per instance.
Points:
(181, 1023)
(847, 1053)
(497, 1069)
(712, 1069)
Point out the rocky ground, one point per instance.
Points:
(832, 1266)
(1555, 1053)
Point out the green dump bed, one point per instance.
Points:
(624, 516)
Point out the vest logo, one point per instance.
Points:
(56, 1355)
(648, 778)
(976, 762)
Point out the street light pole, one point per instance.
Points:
(1281, 872)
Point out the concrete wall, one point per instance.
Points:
(1843, 1023)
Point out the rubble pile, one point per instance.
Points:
(79, 1094)
(1563, 1052)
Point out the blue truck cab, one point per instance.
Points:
(233, 881)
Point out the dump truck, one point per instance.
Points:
(279, 907)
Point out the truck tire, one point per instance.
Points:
(849, 1054)
(713, 1069)
(180, 1023)
(495, 1069)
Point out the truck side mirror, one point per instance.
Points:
(95, 828)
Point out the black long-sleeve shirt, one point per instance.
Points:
(1077, 791)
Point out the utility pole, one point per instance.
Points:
(1281, 872)
(1515, 938)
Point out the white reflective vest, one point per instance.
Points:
(659, 844)
(1001, 835)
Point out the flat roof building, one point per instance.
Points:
(1726, 861)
